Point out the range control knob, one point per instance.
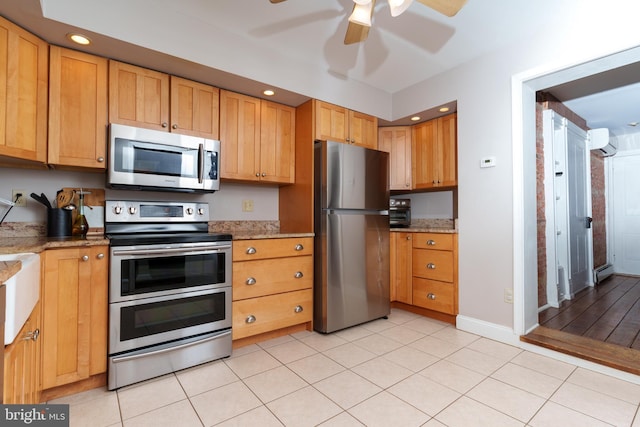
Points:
(117, 210)
(189, 211)
(132, 210)
(201, 211)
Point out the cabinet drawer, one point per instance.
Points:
(435, 265)
(244, 250)
(271, 276)
(264, 314)
(434, 295)
(436, 241)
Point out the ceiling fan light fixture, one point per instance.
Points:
(362, 13)
(398, 6)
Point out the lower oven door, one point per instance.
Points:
(150, 321)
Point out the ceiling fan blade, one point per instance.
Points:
(356, 32)
(446, 7)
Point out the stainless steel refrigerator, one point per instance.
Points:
(351, 221)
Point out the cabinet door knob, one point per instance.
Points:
(408, 237)
(431, 242)
(258, 174)
(298, 309)
(264, 174)
(165, 124)
(431, 266)
(250, 318)
(299, 247)
(251, 281)
(251, 250)
(85, 257)
(100, 256)
(431, 296)
(100, 159)
(298, 274)
(31, 335)
(175, 126)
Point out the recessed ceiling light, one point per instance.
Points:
(444, 109)
(634, 124)
(269, 92)
(415, 118)
(79, 38)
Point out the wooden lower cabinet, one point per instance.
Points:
(22, 379)
(272, 285)
(424, 272)
(74, 328)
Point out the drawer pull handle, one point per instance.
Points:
(85, 257)
(298, 275)
(431, 242)
(299, 247)
(100, 256)
(251, 250)
(251, 281)
(298, 309)
(431, 295)
(250, 318)
(431, 266)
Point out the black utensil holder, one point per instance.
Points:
(58, 222)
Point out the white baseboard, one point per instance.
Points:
(506, 335)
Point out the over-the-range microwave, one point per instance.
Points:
(145, 159)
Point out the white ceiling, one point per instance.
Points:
(244, 45)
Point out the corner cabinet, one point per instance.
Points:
(74, 326)
(22, 374)
(340, 124)
(396, 140)
(272, 286)
(434, 162)
(23, 104)
(257, 139)
(424, 273)
(77, 109)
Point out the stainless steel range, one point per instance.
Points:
(169, 289)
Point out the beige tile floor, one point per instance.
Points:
(404, 371)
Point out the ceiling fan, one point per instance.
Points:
(360, 18)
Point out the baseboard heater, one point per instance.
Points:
(602, 272)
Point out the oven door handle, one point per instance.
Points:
(161, 251)
(200, 163)
(119, 359)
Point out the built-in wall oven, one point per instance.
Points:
(169, 289)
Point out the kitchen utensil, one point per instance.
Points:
(41, 200)
(64, 197)
(46, 201)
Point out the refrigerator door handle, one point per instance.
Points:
(355, 212)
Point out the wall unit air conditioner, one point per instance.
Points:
(599, 140)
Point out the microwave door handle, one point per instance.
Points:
(200, 163)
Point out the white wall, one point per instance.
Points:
(483, 90)
(436, 205)
(225, 204)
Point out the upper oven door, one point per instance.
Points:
(152, 159)
(155, 270)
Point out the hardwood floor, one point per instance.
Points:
(601, 324)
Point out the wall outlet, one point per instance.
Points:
(247, 205)
(22, 200)
(508, 296)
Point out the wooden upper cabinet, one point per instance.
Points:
(257, 139)
(335, 123)
(396, 140)
(239, 136)
(23, 94)
(331, 122)
(194, 108)
(138, 96)
(434, 153)
(363, 130)
(77, 109)
(277, 142)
